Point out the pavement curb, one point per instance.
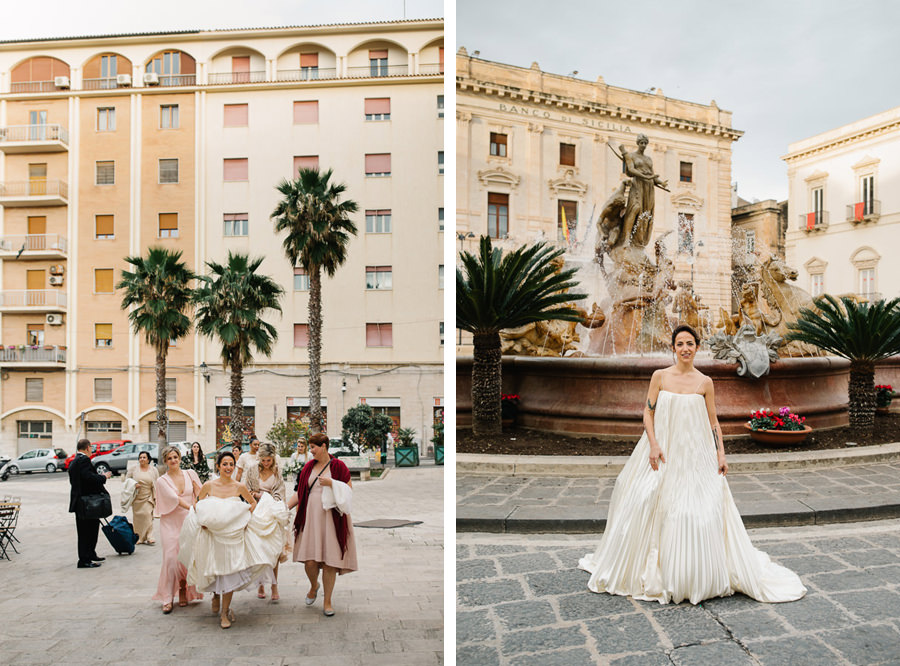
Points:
(477, 464)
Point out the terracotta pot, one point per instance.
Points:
(778, 437)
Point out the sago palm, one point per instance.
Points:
(318, 232)
(496, 291)
(231, 302)
(158, 297)
(863, 333)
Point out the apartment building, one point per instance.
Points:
(110, 145)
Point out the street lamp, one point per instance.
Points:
(204, 370)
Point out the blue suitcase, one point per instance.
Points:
(120, 535)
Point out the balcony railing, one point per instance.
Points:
(33, 87)
(167, 80)
(43, 243)
(871, 296)
(373, 71)
(106, 83)
(306, 74)
(34, 193)
(33, 138)
(223, 78)
(815, 221)
(864, 211)
(33, 298)
(431, 68)
(28, 354)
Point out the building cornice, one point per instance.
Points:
(846, 140)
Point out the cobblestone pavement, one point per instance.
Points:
(801, 494)
(388, 612)
(520, 600)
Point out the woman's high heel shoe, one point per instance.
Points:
(226, 619)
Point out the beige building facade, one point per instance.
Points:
(534, 147)
(110, 145)
(843, 211)
(758, 232)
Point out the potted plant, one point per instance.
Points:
(438, 441)
(782, 429)
(884, 393)
(509, 408)
(406, 451)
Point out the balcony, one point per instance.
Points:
(306, 74)
(34, 246)
(228, 78)
(864, 211)
(106, 83)
(376, 71)
(168, 80)
(34, 139)
(816, 221)
(33, 300)
(19, 194)
(34, 87)
(33, 356)
(870, 297)
(431, 68)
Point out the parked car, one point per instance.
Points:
(211, 457)
(99, 448)
(36, 460)
(117, 461)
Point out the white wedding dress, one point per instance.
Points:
(676, 533)
(226, 548)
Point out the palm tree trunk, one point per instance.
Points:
(237, 398)
(162, 419)
(486, 381)
(861, 394)
(316, 422)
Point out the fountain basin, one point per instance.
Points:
(604, 396)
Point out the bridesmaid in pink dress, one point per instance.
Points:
(176, 492)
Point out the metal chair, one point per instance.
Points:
(9, 518)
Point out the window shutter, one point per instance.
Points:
(567, 154)
(168, 221)
(105, 225)
(301, 335)
(378, 105)
(378, 163)
(378, 54)
(240, 64)
(103, 390)
(306, 112)
(687, 172)
(103, 331)
(171, 389)
(305, 162)
(103, 280)
(498, 199)
(309, 59)
(34, 390)
(237, 115)
(168, 171)
(236, 169)
(106, 173)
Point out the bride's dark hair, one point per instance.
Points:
(684, 328)
(221, 457)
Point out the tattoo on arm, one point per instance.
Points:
(651, 405)
(716, 440)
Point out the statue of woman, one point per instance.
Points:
(638, 218)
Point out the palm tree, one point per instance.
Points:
(496, 291)
(158, 293)
(318, 233)
(863, 333)
(230, 303)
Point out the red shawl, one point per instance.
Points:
(339, 472)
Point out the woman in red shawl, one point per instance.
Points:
(324, 536)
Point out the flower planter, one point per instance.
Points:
(406, 456)
(779, 437)
(438, 454)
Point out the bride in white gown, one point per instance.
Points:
(673, 531)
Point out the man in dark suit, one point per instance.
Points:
(85, 481)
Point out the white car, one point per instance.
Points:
(36, 460)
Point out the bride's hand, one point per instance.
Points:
(656, 457)
(723, 465)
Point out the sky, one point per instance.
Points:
(68, 18)
(786, 69)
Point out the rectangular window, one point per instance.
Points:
(867, 193)
(305, 162)
(104, 226)
(168, 225)
(168, 116)
(171, 389)
(37, 225)
(440, 219)
(379, 335)
(168, 171)
(102, 335)
(34, 334)
(441, 276)
(240, 69)
(106, 119)
(378, 221)
(236, 169)
(103, 281)
(306, 113)
(309, 66)
(237, 115)
(567, 154)
(103, 426)
(35, 429)
(498, 215)
(687, 172)
(817, 284)
(301, 279)
(566, 219)
(378, 108)
(498, 144)
(109, 66)
(103, 390)
(37, 178)
(685, 233)
(750, 236)
(440, 106)
(379, 277)
(34, 389)
(301, 335)
(441, 332)
(106, 173)
(378, 62)
(440, 162)
(378, 164)
(236, 224)
(818, 200)
(866, 282)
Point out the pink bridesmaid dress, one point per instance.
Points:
(171, 517)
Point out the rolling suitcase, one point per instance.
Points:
(120, 535)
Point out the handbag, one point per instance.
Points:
(96, 506)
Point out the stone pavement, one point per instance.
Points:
(521, 601)
(388, 612)
(810, 496)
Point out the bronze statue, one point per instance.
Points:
(638, 218)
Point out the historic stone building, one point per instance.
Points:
(536, 148)
(758, 232)
(112, 144)
(844, 208)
